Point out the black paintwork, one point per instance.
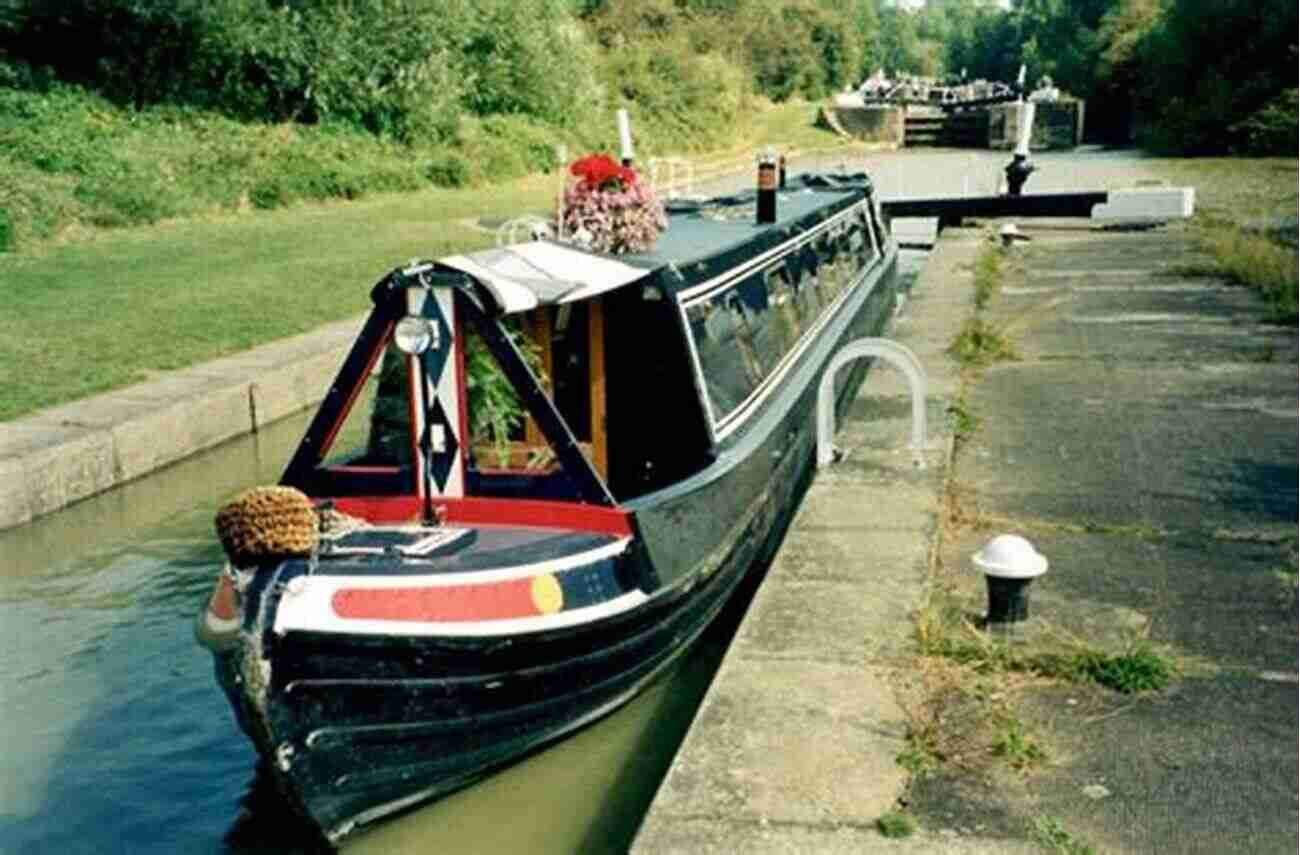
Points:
(359, 726)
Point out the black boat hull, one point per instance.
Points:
(356, 727)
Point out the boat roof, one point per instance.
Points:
(704, 238)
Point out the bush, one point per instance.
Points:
(447, 169)
(1271, 130)
(379, 64)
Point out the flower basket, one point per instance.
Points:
(608, 208)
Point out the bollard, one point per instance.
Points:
(767, 186)
(1009, 563)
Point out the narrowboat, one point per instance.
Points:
(469, 596)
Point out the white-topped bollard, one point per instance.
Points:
(1009, 563)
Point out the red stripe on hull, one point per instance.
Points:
(448, 604)
(567, 516)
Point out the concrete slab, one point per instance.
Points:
(758, 751)
(15, 504)
(61, 455)
(830, 622)
(1147, 445)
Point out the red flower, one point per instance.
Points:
(603, 172)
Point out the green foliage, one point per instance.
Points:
(978, 344)
(1011, 744)
(1050, 834)
(802, 49)
(495, 411)
(1210, 64)
(895, 825)
(1270, 130)
(7, 239)
(1138, 670)
(73, 157)
(523, 58)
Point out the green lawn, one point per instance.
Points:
(106, 308)
(80, 318)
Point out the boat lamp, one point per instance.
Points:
(1009, 563)
(414, 335)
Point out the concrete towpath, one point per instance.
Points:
(1145, 441)
(793, 748)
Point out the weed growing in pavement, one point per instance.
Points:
(1290, 582)
(895, 825)
(1137, 670)
(988, 276)
(1050, 834)
(964, 422)
(1011, 744)
(944, 631)
(979, 343)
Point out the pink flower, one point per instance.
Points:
(610, 204)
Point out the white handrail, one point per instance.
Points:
(890, 351)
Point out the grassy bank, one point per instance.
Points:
(1245, 207)
(93, 308)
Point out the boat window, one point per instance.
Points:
(564, 348)
(744, 331)
(377, 430)
(781, 296)
(730, 367)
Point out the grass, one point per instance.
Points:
(1235, 198)
(1015, 747)
(988, 276)
(99, 308)
(895, 825)
(104, 313)
(1052, 836)
(1130, 672)
(979, 344)
(964, 421)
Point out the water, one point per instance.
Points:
(117, 739)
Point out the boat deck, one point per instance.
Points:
(725, 223)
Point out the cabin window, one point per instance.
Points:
(564, 347)
(743, 332)
(377, 430)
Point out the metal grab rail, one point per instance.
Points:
(890, 351)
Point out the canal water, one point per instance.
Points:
(117, 739)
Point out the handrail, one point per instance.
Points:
(890, 351)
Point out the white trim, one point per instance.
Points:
(307, 600)
(324, 620)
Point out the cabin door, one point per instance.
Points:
(438, 399)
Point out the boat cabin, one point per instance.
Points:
(549, 376)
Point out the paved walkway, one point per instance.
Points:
(1146, 442)
(793, 748)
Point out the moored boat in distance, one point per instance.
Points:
(477, 586)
